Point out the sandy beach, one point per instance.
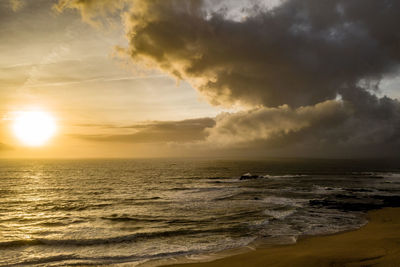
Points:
(376, 244)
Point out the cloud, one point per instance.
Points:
(92, 11)
(301, 53)
(287, 65)
(273, 123)
(157, 132)
(330, 128)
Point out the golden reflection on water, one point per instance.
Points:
(30, 193)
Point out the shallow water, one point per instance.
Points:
(66, 212)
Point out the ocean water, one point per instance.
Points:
(94, 212)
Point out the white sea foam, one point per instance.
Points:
(279, 214)
(285, 201)
(287, 176)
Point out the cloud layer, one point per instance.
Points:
(158, 132)
(288, 66)
(300, 53)
(330, 128)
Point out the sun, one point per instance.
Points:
(34, 128)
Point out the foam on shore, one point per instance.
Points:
(376, 244)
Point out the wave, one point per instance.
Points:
(74, 260)
(279, 214)
(284, 201)
(76, 207)
(44, 260)
(129, 219)
(283, 176)
(323, 190)
(111, 240)
(133, 260)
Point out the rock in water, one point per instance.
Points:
(248, 176)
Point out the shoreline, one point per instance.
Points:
(377, 243)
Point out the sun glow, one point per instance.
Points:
(34, 128)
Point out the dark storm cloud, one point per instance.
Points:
(156, 132)
(287, 65)
(330, 128)
(300, 53)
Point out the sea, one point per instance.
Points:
(138, 211)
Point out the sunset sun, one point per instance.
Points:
(34, 128)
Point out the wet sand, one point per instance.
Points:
(376, 244)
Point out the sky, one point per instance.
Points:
(208, 78)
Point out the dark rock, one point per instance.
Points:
(248, 176)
